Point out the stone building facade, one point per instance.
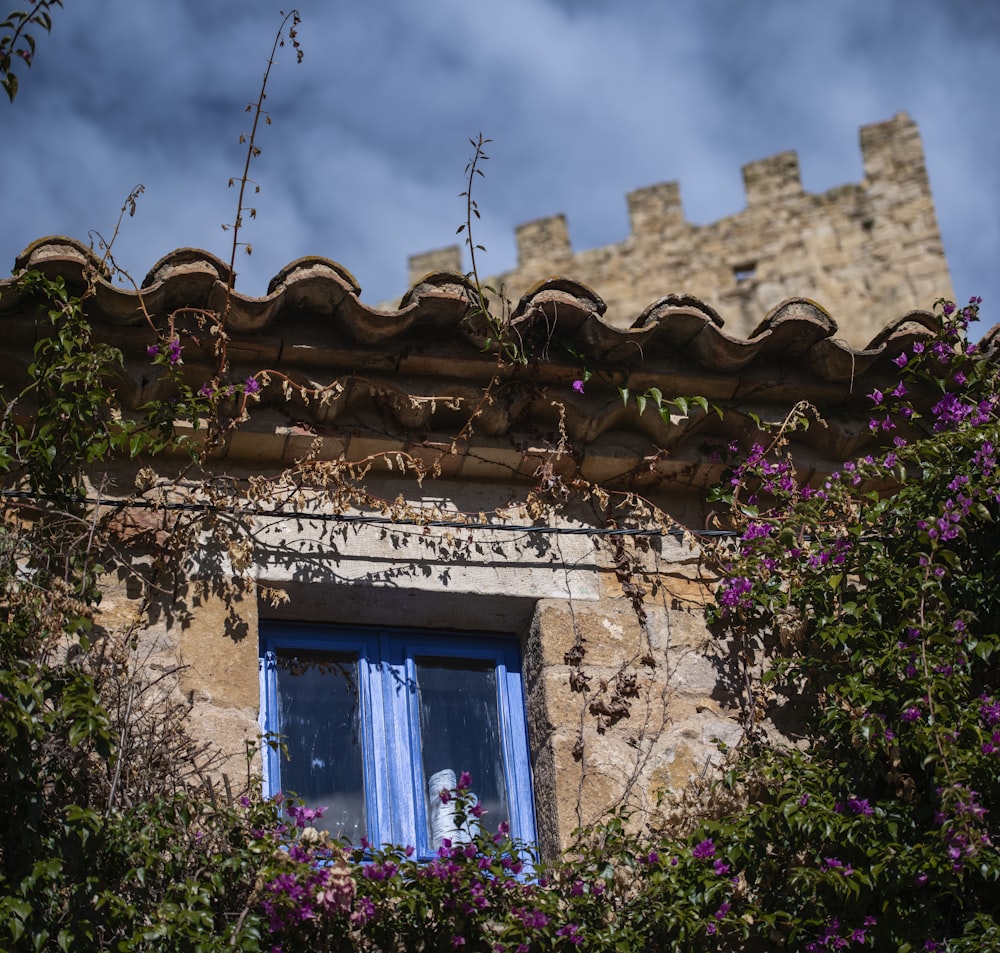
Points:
(868, 251)
(429, 492)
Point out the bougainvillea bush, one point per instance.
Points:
(875, 598)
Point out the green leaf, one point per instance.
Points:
(10, 85)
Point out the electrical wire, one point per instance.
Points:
(371, 519)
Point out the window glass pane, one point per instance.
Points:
(319, 718)
(460, 731)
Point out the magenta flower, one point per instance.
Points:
(572, 933)
(578, 386)
(860, 806)
(704, 850)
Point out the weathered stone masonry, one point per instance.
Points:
(867, 251)
(409, 379)
(622, 706)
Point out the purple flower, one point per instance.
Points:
(364, 911)
(303, 815)
(989, 710)
(533, 919)
(578, 386)
(911, 714)
(153, 350)
(174, 351)
(252, 386)
(704, 850)
(734, 593)
(572, 933)
(465, 780)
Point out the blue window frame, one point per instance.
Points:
(373, 722)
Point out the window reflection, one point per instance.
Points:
(459, 731)
(319, 713)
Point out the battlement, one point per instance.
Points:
(866, 251)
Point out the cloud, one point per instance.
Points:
(584, 100)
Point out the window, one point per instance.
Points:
(376, 721)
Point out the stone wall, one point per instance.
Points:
(200, 644)
(498, 532)
(868, 251)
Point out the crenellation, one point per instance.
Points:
(656, 209)
(438, 259)
(543, 241)
(892, 151)
(774, 179)
(865, 250)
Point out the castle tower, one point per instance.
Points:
(867, 252)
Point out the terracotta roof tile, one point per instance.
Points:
(416, 371)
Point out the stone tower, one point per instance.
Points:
(866, 252)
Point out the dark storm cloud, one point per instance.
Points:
(584, 99)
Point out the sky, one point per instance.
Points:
(584, 101)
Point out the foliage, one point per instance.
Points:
(17, 39)
(874, 598)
